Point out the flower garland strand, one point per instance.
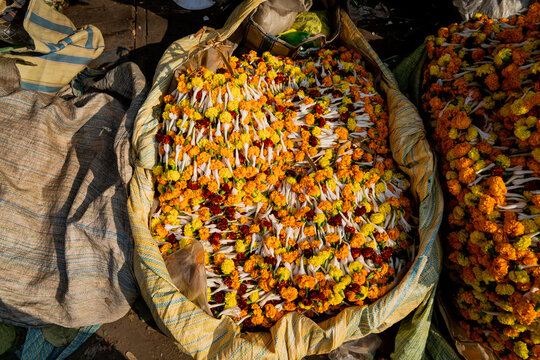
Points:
(483, 95)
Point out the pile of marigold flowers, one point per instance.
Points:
(282, 171)
(483, 95)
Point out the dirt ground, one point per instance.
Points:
(142, 30)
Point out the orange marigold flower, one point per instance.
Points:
(289, 293)
(270, 311)
(305, 281)
(342, 253)
(461, 121)
(467, 176)
(342, 133)
(289, 306)
(499, 268)
(523, 309)
(461, 149)
(513, 228)
(486, 204)
(492, 82)
(496, 186)
(359, 278)
(506, 251)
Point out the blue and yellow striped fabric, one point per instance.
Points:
(37, 348)
(60, 51)
(294, 336)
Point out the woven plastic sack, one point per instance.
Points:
(294, 336)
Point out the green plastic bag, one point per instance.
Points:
(311, 22)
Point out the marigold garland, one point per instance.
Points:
(282, 171)
(483, 95)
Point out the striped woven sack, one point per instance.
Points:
(294, 336)
(59, 50)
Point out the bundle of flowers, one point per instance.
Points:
(281, 169)
(483, 96)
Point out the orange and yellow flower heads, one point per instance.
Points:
(282, 171)
(483, 95)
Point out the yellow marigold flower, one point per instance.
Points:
(385, 208)
(316, 131)
(197, 81)
(458, 212)
(474, 154)
(225, 117)
(188, 230)
(487, 277)
(479, 165)
(355, 266)
(521, 350)
(335, 299)
(240, 246)
(434, 70)
(380, 188)
(377, 218)
(283, 273)
(522, 133)
(463, 260)
(530, 226)
(453, 133)
(315, 261)
(523, 243)
(232, 105)
(367, 229)
(347, 279)
(518, 107)
(171, 175)
(225, 173)
(227, 266)
(470, 199)
(462, 236)
(503, 160)
(519, 276)
(157, 170)
(319, 218)
(196, 224)
(504, 289)
(450, 175)
(502, 56)
(335, 272)
(474, 314)
(535, 337)
(476, 190)
(351, 124)
(506, 318)
(230, 300)
(212, 112)
(485, 69)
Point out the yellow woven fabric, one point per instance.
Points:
(60, 50)
(294, 336)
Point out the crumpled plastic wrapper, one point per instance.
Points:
(276, 16)
(495, 9)
(186, 267)
(361, 349)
